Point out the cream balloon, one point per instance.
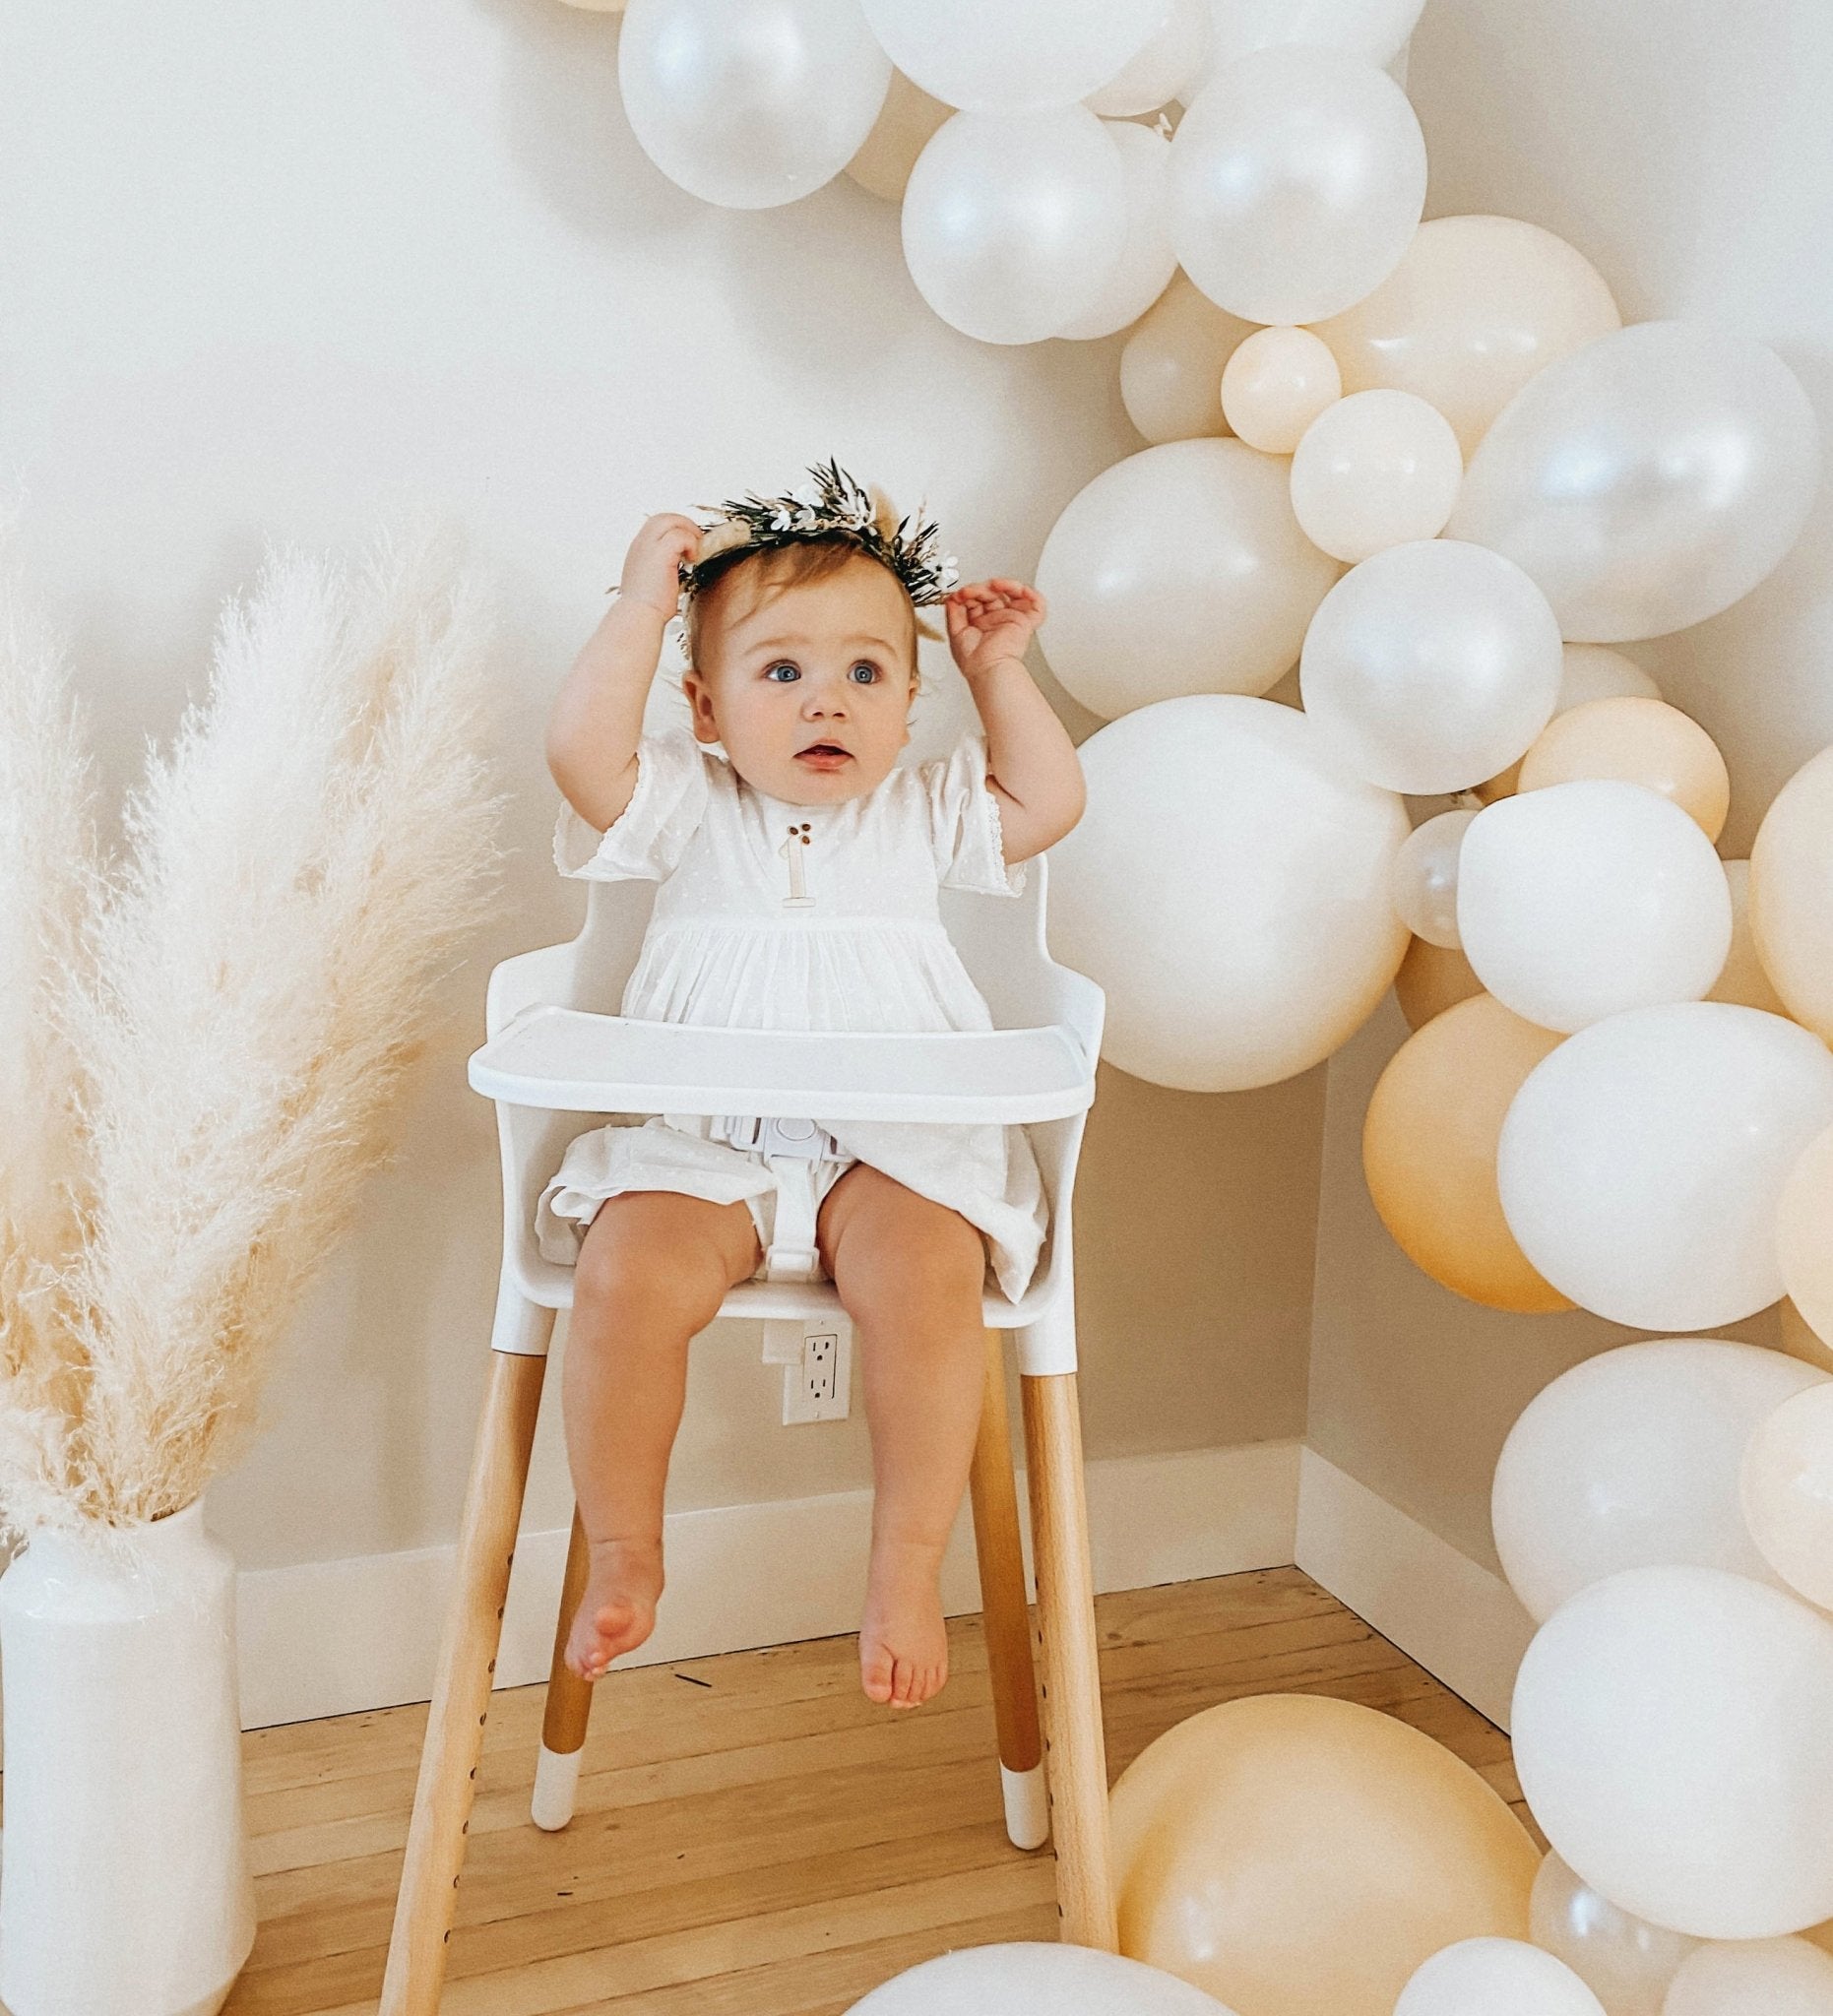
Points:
(1431, 666)
(1374, 470)
(1169, 60)
(1700, 457)
(1625, 1962)
(1630, 1460)
(1641, 742)
(1425, 877)
(1275, 384)
(1012, 221)
(1589, 671)
(1019, 1979)
(1582, 900)
(1143, 271)
(1173, 361)
(1742, 978)
(1019, 56)
(1753, 1978)
(904, 128)
(750, 103)
(1298, 179)
(1499, 1978)
(1792, 893)
(1228, 885)
(1805, 1233)
(1430, 980)
(1786, 1484)
(1641, 1163)
(1179, 570)
(1669, 1730)
(1476, 306)
(1374, 29)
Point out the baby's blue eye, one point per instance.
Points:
(866, 664)
(782, 665)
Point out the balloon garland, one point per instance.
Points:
(1427, 463)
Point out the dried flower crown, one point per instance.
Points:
(833, 505)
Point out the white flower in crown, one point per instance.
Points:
(950, 576)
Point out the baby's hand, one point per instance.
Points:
(989, 621)
(651, 575)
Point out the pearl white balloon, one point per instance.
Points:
(1425, 878)
(1583, 898)
(1012, 221)
(750, 103)
(1670, 1729)
(1017, 55)
(1372, 471)
(1167, 63)
(1146, 263)
(1632, 1459)
(1786, 1486)
(1228, 885)
(1179, 570)
(1018, 1979)
(1432, 665)
(1640, 1164)
(1647, 480)
(1625, 1960)
(1298, 180)
(1275, 384)
(1753, 1978)
(1498, 1977)
(1374, 29)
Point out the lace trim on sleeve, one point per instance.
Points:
(1013, 873)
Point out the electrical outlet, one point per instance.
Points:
(819, 1386)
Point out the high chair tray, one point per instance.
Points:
(568, 1060)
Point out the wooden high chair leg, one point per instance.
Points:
(569, 1701)
(442, 1798)
(1005, 1614)
(1075, 1748)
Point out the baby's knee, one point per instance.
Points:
(639, 1257)
(936, 1264)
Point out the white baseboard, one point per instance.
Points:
(1459, 1621)
(336, 1637)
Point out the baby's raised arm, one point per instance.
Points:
(598, 714)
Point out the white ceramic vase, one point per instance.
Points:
(126, 1888)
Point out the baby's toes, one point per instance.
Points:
(876, 1672)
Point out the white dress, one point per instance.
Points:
(777, 915)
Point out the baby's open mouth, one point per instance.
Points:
(822, 749)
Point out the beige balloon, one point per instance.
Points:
(1792, 893)
(1293, 1855)
(906, 123)
(1787, 1488)
(1588, 672)
(1743, 979)
(1173, 363)
(1428, 1151)
(1275, 384)
(1638, 741)
(1804, 1343)
(1476, 307)
(1432, 980)
(1805, 1234)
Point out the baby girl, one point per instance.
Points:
(799, 866)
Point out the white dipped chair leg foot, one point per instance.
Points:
(1028, 1807)
(557, 1787)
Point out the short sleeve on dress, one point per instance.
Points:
(647, 839)
(963, 823)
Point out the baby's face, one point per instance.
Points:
(821, 663)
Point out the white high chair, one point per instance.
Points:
(554, 1065)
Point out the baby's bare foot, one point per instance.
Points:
(619, 1609)
(903, 1641)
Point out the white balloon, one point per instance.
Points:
(1146, 263)
(1640, 1164)
(1015, 56)
(1179, 570)
(1275, 384)
(1022, 1980)
(1632, 1459)
(1785, 1490)
(1228, 885)
(1164, 67)
(1012, 221)
(1298, 180)
(1625, 1960)
(1753, 1978)
(1372, 471)
(1496, 1977)
(1670, 1729)
(750, 103)
(1425, 878)
(1432, 665)
(1647, 480)
(1583, 898)
(1374, 29)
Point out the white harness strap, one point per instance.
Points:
(791, 1149)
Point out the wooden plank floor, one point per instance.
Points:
(755, 1838)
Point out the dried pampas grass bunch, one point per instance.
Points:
(200, 1042)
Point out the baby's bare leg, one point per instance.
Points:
(909, 1273)
(651, 1272)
